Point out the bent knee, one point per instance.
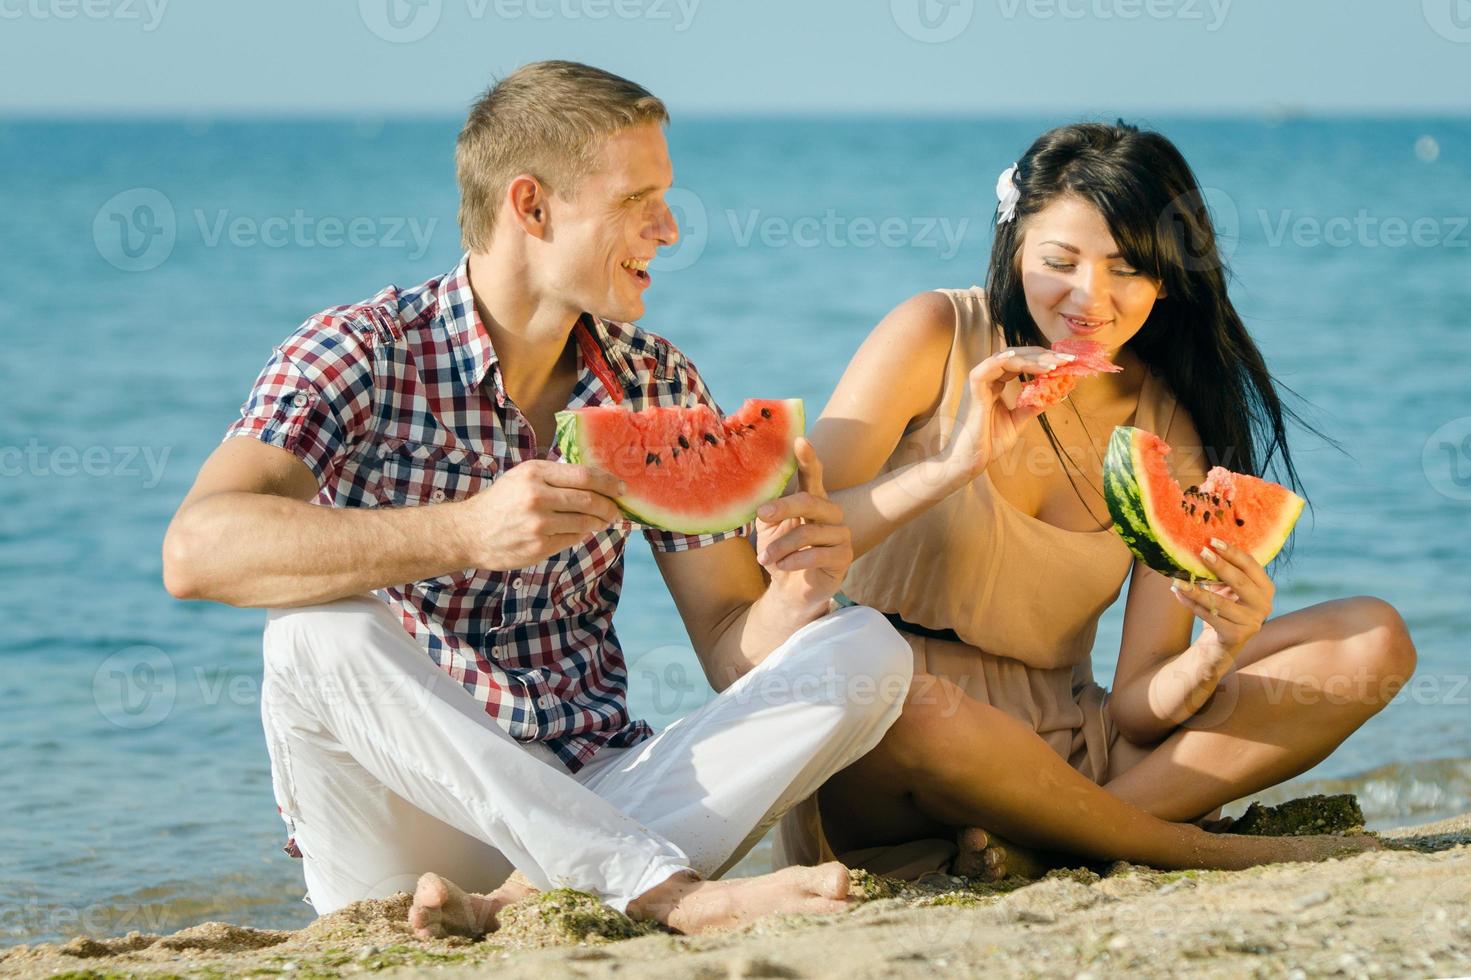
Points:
(933, 709)
(1380, 645)
(878, 650)
(857, 646)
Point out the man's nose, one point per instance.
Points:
(666, 228)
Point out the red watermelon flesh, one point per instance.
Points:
(688, 469)
(1048, 389)
(1167, 527)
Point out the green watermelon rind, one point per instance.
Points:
(1130, 507)
(574, 450)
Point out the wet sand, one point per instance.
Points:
(1405, 911)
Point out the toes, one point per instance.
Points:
(829, 880)
(432, 891)
(995, 862)
(973, 839)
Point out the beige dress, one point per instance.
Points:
(975, 565)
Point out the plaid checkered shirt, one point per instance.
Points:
(399, 402)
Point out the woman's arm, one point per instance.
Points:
(895, 379)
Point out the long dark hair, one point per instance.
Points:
(1194, 340)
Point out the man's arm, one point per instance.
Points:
(734, 616)
(246, 534)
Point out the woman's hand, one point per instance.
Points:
(989, 428)
(801, 539)
(1234, 608)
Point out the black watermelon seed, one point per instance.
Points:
(710, 439)
(684, 443)
(1207, 518)
(766, 413)
(1240, 522)
(651, 458)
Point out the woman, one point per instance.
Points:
(983, 533)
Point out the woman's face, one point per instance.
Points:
(1076, 283)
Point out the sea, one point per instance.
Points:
(147, 267)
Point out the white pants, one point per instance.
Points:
(385, 767)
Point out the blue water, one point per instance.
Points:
(123, 367)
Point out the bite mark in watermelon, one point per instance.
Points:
(1048, 389)
(687, 469)
(1166, 527)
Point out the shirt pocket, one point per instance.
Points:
(418, 475)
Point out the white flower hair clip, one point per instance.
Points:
(1007, 195)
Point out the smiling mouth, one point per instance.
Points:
(1085, 324)
(639, 269)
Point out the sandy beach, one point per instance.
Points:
(1404, 911)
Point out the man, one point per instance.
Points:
(475, 721)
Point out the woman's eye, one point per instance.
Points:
(1059, 266)
(1126, 272)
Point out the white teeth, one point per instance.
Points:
(636, 265)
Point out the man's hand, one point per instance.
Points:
(535, 510)
(801, 539)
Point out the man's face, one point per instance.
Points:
(603, 236)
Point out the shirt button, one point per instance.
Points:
(546, 702)
(299, 399)
(518, 583)
(437, 495)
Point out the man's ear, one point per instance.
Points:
(527, 199)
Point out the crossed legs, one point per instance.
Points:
(1303, 685)
(407, 774)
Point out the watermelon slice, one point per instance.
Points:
(1048, 389)
(1167, 527)
(687, 469)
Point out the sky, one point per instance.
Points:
(747, 57)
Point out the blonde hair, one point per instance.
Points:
(547, 119)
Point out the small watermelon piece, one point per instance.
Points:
(688, 469)
(1166, 527)
(1048, 389)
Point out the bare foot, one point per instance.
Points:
(686, 904)
(985, 856)
(441, 908)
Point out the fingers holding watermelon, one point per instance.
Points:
(1237, 605)
(535, 510)
(988, 428)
